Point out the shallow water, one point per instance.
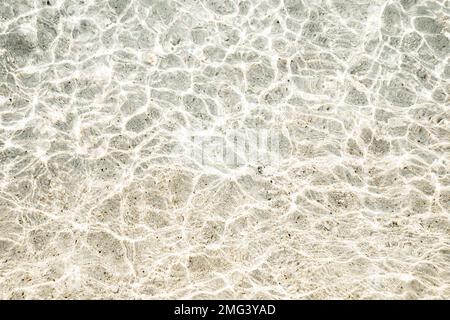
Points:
(224, 149)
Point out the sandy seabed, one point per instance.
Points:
(224, 149)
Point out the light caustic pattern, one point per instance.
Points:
(224, 149)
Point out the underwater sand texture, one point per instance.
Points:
(224, 149)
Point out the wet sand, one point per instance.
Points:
(278, 149)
